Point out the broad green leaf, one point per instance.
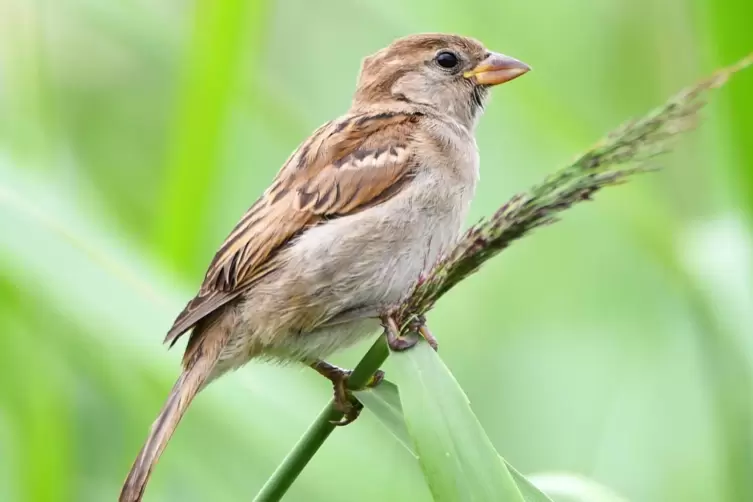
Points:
(457, 458)
(384, 401)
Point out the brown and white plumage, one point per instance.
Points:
(363, 207)
(346, 166)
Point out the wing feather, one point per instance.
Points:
(345, 166)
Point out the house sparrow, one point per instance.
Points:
(361, 209)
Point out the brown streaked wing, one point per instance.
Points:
(346, 166)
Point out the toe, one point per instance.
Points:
(375, 379)
(351, 409)
(402, 343)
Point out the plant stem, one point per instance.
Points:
(306, 447)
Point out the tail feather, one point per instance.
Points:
(185, 389)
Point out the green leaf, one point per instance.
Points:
(457, 458)
(384, 401)
(530, 490)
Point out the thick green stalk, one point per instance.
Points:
(287, 472)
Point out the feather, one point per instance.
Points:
(347, 165)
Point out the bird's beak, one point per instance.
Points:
(497, 69)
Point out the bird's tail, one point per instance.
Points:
(193, 378)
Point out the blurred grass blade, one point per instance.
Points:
(457, 458)
(565, 487)
(728, 24)
(717, 292)
(25, 410)
(211, 84)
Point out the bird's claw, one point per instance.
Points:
(350, 408)
(344, 400)
(346, 403)
(417, 325)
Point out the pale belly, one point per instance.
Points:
(338, 277)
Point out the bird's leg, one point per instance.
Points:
(345, 401)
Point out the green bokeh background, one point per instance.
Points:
(616, 344)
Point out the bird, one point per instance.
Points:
(360, 210)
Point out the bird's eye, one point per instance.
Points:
(447, 60)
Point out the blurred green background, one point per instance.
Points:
(616, 344)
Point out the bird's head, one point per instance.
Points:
(449, 73)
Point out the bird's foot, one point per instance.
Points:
(418, 325)
(345, 402)
(398, 343)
